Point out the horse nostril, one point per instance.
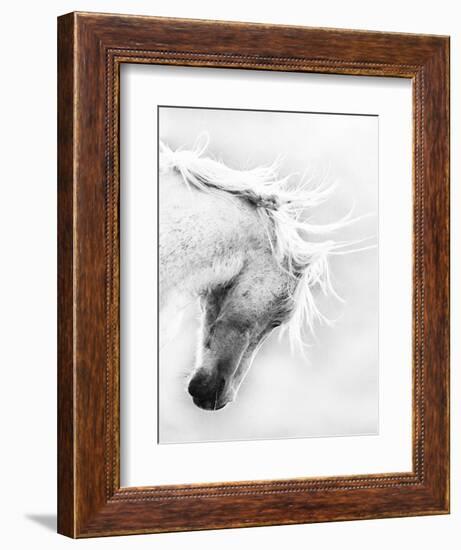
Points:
(206, 386)
(198, 386)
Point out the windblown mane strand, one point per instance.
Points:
(281, 205)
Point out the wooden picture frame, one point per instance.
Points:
(91, 49)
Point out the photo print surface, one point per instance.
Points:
(268, 274)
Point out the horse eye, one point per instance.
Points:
(276, 324)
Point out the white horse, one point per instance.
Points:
(239, 242)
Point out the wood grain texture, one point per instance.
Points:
(66, 471)
(91, 49)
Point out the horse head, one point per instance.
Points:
(236, 318)
(284, 257)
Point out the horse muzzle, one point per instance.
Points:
(208, 390)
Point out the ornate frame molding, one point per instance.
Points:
(91, 49)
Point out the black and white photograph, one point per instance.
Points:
(268, 274)
(230, 251)
(229, 241)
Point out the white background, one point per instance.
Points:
(388, 451)
(28, 274)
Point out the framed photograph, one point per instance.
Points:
(253, 322)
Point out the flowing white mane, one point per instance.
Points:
(281, 206)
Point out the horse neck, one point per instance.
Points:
(204, 238)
